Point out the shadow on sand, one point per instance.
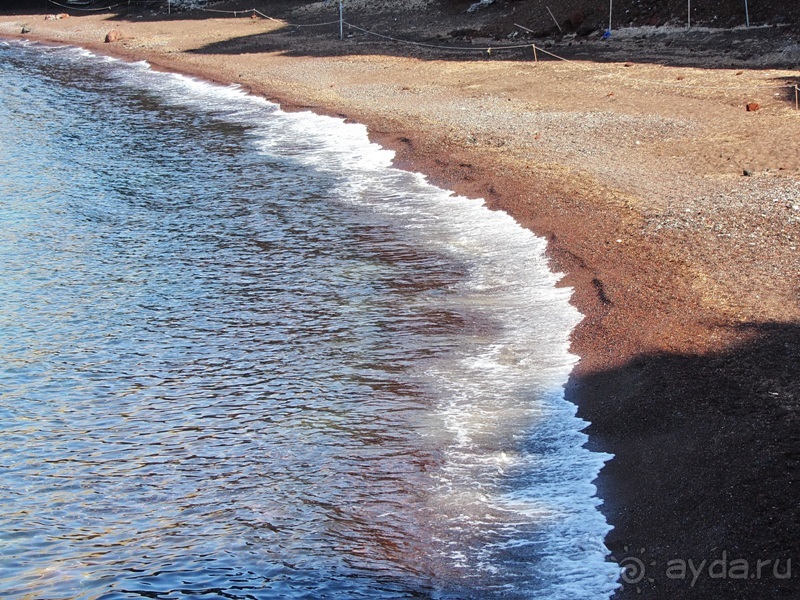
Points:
(707, 466)
(459, 36)
(746, 49)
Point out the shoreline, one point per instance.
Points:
(677, 373)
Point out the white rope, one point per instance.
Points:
(235, 13)
(581, 65)
(437, 46)
(87, 9)
(255, 11)
(482, 49)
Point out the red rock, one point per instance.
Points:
(752, 106)
(112, 36)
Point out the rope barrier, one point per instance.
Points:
(255, 11)
(236, 13)
(482, 49)
(439, 46)
(87, 9)
(312, 24)
(536, 49)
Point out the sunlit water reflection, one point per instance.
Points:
(241, 357)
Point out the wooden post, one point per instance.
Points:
(341, 20)
(746, 14)
(554, 19)
(610, 6)
(535, 56)
(689, 16)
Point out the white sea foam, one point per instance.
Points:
(508, 384)
(514, 463)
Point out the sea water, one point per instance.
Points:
(241, 356)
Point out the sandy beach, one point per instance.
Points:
(672, 210)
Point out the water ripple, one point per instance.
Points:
(233, 367)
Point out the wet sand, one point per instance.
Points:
(686, 268)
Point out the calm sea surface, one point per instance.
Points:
(243, 357)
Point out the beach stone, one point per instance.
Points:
(747, 173)
(112, 36)
(752, 106)
(26, 29)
